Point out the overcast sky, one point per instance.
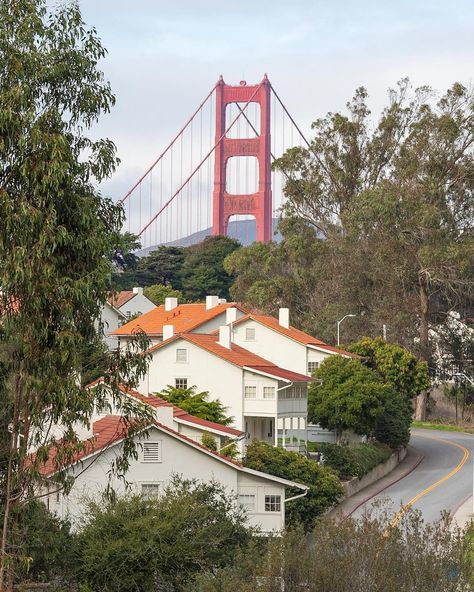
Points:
(164, 56)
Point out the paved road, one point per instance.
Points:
(443, 479)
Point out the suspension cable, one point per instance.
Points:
(202, 161)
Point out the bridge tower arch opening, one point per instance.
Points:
(257, 204)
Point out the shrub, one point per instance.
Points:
(151, 545)
(325, 489)
(209, 441)
(355, 460)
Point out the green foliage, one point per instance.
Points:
(160, 544)
(394, 364)
(355, 460)
(350, 397)
(57, 234)
(203, 269)
(123, 258)
(49, 544)
(158, 292)
(325, 489)
(348, 555)
(231, 450)
(393, 424)
(197, 404)
(162, 266)
(209, 441)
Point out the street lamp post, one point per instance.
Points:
(339, 324)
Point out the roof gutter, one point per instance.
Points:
(290, 499)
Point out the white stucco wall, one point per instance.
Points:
(208, 372)
(177, 458)
(272, 346)
(111, 320)
(139, 304)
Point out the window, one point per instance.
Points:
(250, 392)
(268, 392)
(247, 502)
(152, 452)
(128, 314)
(249, 334)
(182, 355)
(312, 367)
(181, 383)
(273, 503)
(150, 490)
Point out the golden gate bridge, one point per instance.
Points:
(215, 176)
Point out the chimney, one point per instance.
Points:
(211, 302)
(230, 315)
(222, 301)
(168, 332)
(170, 303)
(164, 415)
(224, 336)
(284, 317)
(138, 290)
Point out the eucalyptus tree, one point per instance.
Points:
(56, 232)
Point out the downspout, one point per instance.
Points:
(290, 499)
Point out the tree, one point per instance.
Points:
(347, 396)
(390, 208)
(158, 292)
(56, 234)
(162, 266)
(324, 491)
(393, 424)
(203, 269)
(394, 364)
(197, 404)
(160, 544)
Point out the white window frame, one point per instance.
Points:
(250, 330)
(148, 447)
(315, 367)
(273, 501)
(250, 386)
(248, 507)
(156, 484)
(179, 353)
(184, 379)
(273, 392)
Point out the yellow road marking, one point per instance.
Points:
(456, 469)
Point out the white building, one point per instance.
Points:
(261, 396)
(278, 341)
(186, 318)
(132, 302)
(111, 319)
(163, 453)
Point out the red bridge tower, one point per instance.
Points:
(257, 204)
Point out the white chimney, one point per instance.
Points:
(168, 332)
(170, 303)
(164, 415)
(138, 290)
(284, 317)
(211, 302)
(224, 336)
(230, 315)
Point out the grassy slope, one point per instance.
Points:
(441, 426)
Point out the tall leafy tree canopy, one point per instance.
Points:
(197, 403)
(56, 236)
(390, 208)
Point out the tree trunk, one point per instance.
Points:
(422, 399)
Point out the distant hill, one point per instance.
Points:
(245, 231)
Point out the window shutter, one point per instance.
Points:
(152, 452)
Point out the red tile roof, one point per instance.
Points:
(178, 413)
(235, 355)
(118, 300)
(110, 430)
(184, 317)
(292, 333)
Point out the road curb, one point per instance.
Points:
(402, 476)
